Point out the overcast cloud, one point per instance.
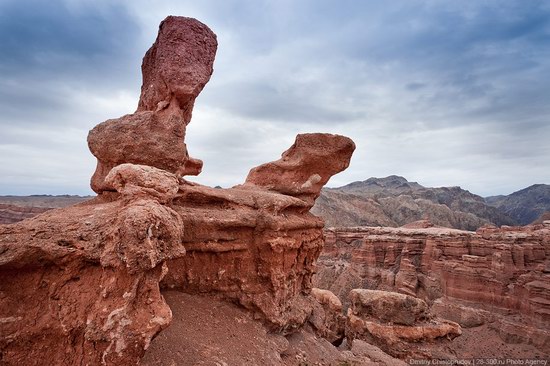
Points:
(441, 92)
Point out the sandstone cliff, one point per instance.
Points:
(497, 277)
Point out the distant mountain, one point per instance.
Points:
(524, 206)
(17, 208)
(394, 201)
(389, 201)
(544, 217)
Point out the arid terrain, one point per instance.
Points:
(157, 270)
(17, 208)
(493, 282)
(394, 201)
(390, 201)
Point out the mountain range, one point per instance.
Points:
(390, 201)
(394, 201)
(524, 206)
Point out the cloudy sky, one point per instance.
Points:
(441, 92)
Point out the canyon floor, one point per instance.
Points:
(207, 331)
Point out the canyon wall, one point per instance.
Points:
(497, 276)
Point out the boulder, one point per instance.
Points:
(306, 166)
(399, 324)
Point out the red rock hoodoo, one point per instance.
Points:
(82, 285)
(175, 70)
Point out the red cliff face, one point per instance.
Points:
(505, 271)
(82, 285)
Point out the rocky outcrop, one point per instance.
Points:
(175, 70)
(306, 167)
(394, 201)
(327, 317)
(504, 271)
(399, 324)
(253, 245)
(82, 285)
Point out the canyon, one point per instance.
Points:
(17, 208)
(495, 279)
(158, 270)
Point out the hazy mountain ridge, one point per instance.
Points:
(525, 205)
(394, 201)
(17, 208)
(390, 201)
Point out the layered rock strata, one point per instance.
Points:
(81, 285)
(504, 271)
(255, 244)
(13, 213)
(399, 324)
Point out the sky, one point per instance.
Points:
(445, 93)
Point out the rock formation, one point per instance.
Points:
(82, 285)
(306, 167)
(253, 244)
(499, 277)
(399, 324)
(175, 70)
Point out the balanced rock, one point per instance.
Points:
(83, 284)
(306, 166)
(399, 324)
(175, 70)
(178, 65)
